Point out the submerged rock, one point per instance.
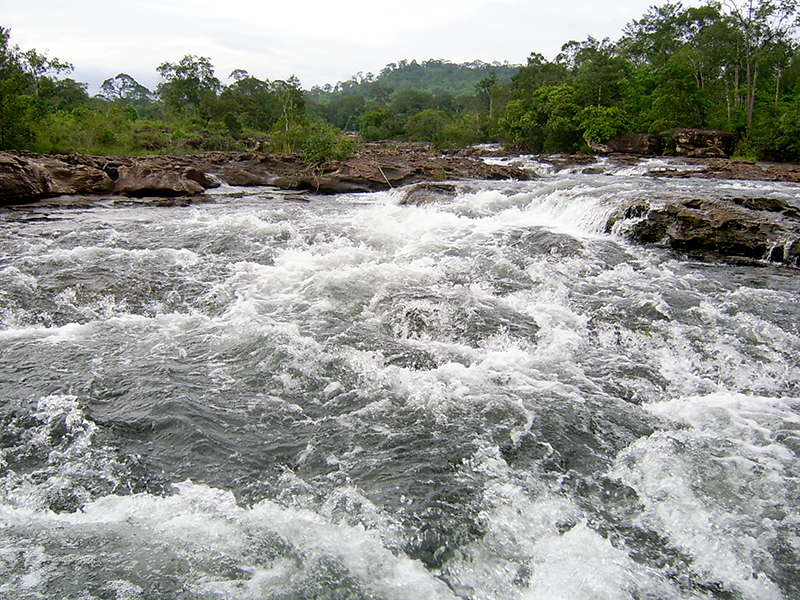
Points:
(426, 192)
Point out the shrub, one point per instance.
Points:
(325, 143)
(427, 126)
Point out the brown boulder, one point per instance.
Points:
(635, 143)
(66, 179)
(710, 152)
(760, 229)
(149, 180)
(26, 177)
(21, 179)
(352, 176)
(693, 142)
(239, 177)
(196, 175)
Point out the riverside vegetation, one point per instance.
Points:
(730, 65)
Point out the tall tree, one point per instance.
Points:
(187, 84)
(486, 88)
(124, 89)
(765, 26)
(14, 83)
(23, 75)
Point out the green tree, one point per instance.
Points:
(520, 126)
(187, 84)
(539, 72)
(597, 70)
(381, 124)
(601, 123)
(28, 89)
(766, 26)
(126, 91)
(428, 125)
(15, 100)
(486, 89)
(251, 101)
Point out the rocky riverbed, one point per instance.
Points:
(738, 229)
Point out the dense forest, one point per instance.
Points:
(732, 65)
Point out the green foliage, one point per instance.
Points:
(520, 127)
(187, 85)
(16, 96)
(344, 112)
(465, 130)
(324, 143)
(545, 122)
(731, 65)
(784, 144)
(427, 126)
(601, 123)
(90, 130)
(381, 124)
(126, 91)
(431, 76)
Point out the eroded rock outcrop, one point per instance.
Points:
(374, 167)
(703, 143)
(146, 180)
(751, 228)
(647, 144)
(382, 166)
(28, 177)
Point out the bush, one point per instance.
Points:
(427, 126)
(381, 124)
(465, 131)
(601, 123)
(325, 143)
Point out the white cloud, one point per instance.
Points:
(319, 41)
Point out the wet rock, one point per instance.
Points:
(26, 177)
(239, 177)
(635, 143)
(353, 176)
(426, 192)
(76, 179)
(21, 179)
(196, 175)
(762, 229)
(146, 180)
(373, 167)
(699, 142)
(710, 152)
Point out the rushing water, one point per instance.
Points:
(483, 397)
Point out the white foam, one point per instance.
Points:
(199, 523)
(538, 545)
(710, 486)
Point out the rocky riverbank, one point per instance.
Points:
(732, 228)
(26, 177)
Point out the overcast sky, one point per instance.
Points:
(320, 41)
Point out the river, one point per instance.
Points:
(486, 396)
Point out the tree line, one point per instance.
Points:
(190, 110)
(732, 65)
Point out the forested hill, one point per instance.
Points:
(432, 76)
